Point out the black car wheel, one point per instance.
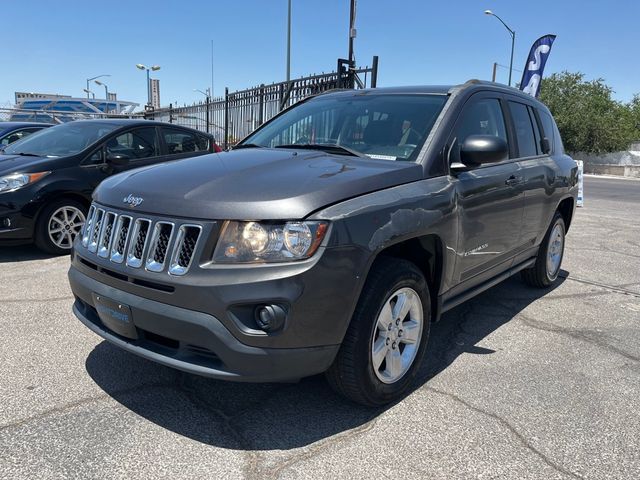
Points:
(58, 225)
(386, 340)
(549, 259)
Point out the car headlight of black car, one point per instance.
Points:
(266, 242)
(12, 182)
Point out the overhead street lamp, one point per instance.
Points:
(207, 93)
(93, 78)
(155, 68)
(513, 40)
(87, 91)
(106, 94)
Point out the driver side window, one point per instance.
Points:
(479, 117)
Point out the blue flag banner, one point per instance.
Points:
(534, 67)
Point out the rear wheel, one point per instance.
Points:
(386, 340)
(547, 266)
(58, 225)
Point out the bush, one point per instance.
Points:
(588, 118)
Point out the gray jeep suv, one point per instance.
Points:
(330, 238)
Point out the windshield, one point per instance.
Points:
(380, 126)
(61, 140)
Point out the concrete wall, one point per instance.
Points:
(630, 157)
(621, 170)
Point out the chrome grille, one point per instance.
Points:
(104, 244)
(138, 242)
(158, 244)
(185, 246)
(95, 230)
(88, 226)
(120, 238)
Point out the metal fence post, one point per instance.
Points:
(226, 118)
(171, 113)
(207, 110)
(261, 111)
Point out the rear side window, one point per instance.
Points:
(181, 141)
(524, 129)
(136, 144)
(547, 127)
(480, 117)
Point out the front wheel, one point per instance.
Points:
(386, 340)
(549, 259)
(58, 225)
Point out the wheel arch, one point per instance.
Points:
(426, 252)
(566, 207)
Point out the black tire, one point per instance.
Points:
(42, 238)
(539, 275)
(352, 373)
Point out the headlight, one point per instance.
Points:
(12, 182)
(259, 242)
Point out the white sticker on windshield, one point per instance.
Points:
(381, 157)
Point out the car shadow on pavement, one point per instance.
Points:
(286, 416)
(21, 253)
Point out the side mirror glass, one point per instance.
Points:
(480, 149)
(118, 159)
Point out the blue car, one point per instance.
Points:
(13, 131)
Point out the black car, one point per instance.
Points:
(330, 238)
(46, 180)
(13, 131)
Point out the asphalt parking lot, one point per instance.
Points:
(518, 383)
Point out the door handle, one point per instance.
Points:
(513, 181)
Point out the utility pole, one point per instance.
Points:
(211, 68)
(289, 42)
(352, 31)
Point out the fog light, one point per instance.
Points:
(270, 318)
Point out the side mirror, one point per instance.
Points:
(480, 149)
(118, 159)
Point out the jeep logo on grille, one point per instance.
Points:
(133, 201)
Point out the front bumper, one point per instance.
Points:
(194, 341)
(16, 218)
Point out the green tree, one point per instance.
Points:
(588, 118)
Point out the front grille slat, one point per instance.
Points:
(184, 249)
(139, 239)
(104, 244)
(96, 230)
(88, 226)
(120, 238)
(160, 245)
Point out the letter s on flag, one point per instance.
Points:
(538, 55)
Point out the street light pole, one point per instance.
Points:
(513, 40)
(289, 42)
(140, 66)
(106, 94)
(93, 78)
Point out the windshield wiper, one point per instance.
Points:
(247, 145)
(23, 154)
(327, 147)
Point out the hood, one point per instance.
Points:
(252, 184)
(19, 164)
(25, 164)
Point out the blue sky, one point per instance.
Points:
(54, 46)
